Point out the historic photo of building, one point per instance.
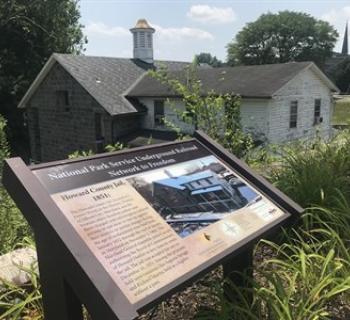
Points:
(194, 194)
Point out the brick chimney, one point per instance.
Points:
(143, 41)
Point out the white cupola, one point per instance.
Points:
(143, 42)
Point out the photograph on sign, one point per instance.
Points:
(194, 194)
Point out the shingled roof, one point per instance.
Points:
(106, 79)
(259, 81)
(116, 83)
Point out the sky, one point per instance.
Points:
(185, 28)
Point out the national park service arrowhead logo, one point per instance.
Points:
(207, 236)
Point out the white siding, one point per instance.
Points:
(254, 117)
(305, 88)
(147, 121)
(269, 119)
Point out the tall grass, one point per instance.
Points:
(308, 276)
(315, 173)
(304, 279)
(22, 302)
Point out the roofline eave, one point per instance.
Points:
(180, 97)
(126, 114)
(318, 72)
(37, 81)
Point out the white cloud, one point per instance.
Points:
(208, 14)
(99, 28)
(338, 18)
(334, 16)
(182, 33)
(173, 43)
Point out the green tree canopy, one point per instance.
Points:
(342, 75)
(282, 37)
(205, 57)
(30, 32)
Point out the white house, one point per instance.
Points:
(85, 102)
(280, 102)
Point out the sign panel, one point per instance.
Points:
(154, 215)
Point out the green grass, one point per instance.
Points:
(342, 112)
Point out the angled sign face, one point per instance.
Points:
(154, 218)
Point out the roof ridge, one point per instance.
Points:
(110, 57)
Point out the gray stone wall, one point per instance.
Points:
(63, 129)
(125, 125)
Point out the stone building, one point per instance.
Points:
(78, 102)
(85, 102)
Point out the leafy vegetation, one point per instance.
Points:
(342, 112)
(341, 75)
(13, 226)
(22, 303)
(314, 173)
(301, 281)
(217, 115)
(205, 57)
(282, 37)
(305, 277)
(108, 148)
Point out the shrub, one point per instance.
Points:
(13, 226)
(314, 173)
(218, 115)
(108, 148)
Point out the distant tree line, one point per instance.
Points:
(283, 37)
(207, 58)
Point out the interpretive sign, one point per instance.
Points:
(153, 218)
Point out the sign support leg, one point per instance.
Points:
(238, 269)
(59, 300)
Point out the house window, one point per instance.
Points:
(159, 112)
(317, 112)
(62, 100)
(293, 119)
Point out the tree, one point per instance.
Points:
(282, 37)
(30, 32)
(217, 115)
(342, 75)
(205, 57)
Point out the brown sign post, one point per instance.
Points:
(120, 232)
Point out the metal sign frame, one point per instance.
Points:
(70, 272)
